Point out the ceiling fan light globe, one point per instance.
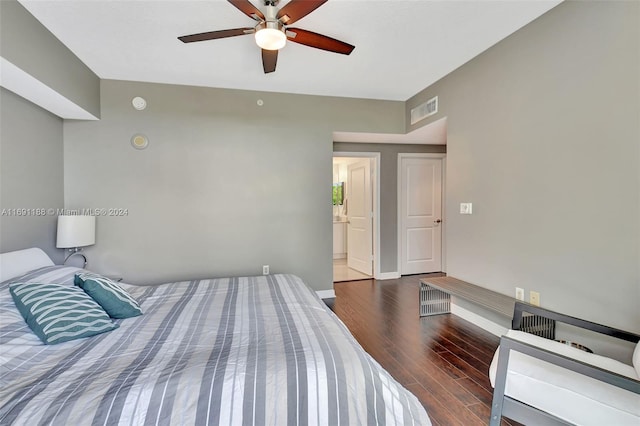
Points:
(270, 38)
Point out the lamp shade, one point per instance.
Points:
(76, 231)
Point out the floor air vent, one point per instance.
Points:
(424, 110)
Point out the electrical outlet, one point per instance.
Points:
(265, 269)
(520, 293)
(534, 298)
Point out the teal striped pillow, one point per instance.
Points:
(57, 313)
(113, 298)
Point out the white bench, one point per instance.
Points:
(540, 381)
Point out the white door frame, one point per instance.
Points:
(443, 157)
(375, 173)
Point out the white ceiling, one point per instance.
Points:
(402, 46)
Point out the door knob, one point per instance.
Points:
(437, 221)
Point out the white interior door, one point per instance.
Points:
(359, 214)
(420, 215)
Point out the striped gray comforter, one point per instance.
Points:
(254, 350)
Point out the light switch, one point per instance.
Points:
(466, 208)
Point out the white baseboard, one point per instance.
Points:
(326, 294)
(478, 320)
(339, 255)
(388, 276)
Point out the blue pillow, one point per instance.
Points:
(113, 298)
(58, 313)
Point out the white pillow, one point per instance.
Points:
(16, 263)
(636, 359)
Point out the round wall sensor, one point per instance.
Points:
(139, 141)
(139, 103)
(260, 102)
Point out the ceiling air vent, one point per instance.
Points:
(424, 110)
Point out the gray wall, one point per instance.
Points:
(31, 174)
(31, 47)
(544, 139)
(388, 192)
(224, 187)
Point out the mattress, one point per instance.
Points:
(249, 350)
(568, 395)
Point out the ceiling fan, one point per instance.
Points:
(272, 30)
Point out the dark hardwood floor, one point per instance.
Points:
(442, 359)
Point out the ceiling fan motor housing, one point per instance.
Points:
(271, 18)
(270, 32)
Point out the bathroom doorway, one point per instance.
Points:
(355, 216)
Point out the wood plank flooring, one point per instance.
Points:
(442, 359)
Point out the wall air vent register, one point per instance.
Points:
(424, 110)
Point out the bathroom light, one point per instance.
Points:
(271, 38)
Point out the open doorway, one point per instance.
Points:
(355, 216)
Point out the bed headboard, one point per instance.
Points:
(15, 263)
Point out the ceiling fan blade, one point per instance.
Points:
(298, 9)
(319, 41)
(269, 60)
(248, 9)
(212, 35)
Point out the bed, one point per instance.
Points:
(244, 350)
